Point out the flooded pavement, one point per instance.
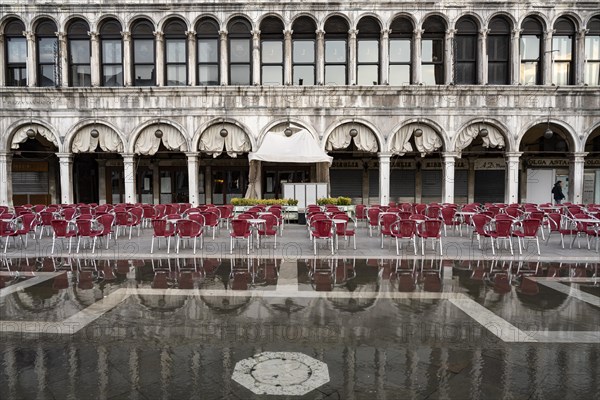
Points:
(309, 328)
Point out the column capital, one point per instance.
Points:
(352, 33)
(64, 157)
(128, 157)
(191, 35)
(549, 32)
(29, 35)
(1, 38)
(159, 35)
(483, 33)
(385, 33)
(513, 154)
(192, 154)
(450, 33)
(62, 36)
(223, 34)
(6, 154)
(320, 34)
(255, 33)
(418, 33)
(453, 155)
(93, 35)
(516, 32)
(582, 32)
(287, 33)
(578, 155)
(384, 154)
(126, 35)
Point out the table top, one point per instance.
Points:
(466, 212)
(338, 221)
(256, 220)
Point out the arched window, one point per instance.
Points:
(498, 48)
(592, 53)
(111, 53)
(563, 71)
(240, 52)
(47, 54)
(207, 36)
(303, 51)
(16, 54)
(367, 60)
(531, 52)
(465, 51)
(143, 54)
(271, 51)
(175, 53)
(401, 51)
(432, 50)
(80, 71)
(336, 49)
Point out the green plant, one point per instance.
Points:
(337, 201)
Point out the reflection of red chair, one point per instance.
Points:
(85, 280)
(161, 280)
(107, 273)
(323, 281)
(240, 229)
(185, 280)
(240, 279)
(406, 282)
(162, 229)
(529, 287)
(61, 281)
(188, 229)
(322, 230)
(501, 283)
(432, 282)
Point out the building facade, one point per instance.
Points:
(452, 101)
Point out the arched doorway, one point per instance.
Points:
(591, 178)
(35, 168)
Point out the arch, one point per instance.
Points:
(241, 17)
(446, 142)
(43, 18)
(587, 134)
(469, 16)
(108, 17)
(369, 16)
(107, 21)
(571, 137)
(499, 126)
(72, 18)
(589, 19)
(355, 121)
(15, 127)
(434, 14)
(168, 18)
(268, 16)
(8, 18)
(202, 128)
(140, 18)
(541, 18)
(509, 17)
(303, 16)
(292, 120)
(88, 122)
(134, 136)
(206, 18)
(400, 16)
(573, 17)
(334, 16)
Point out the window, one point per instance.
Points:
(80, 71)
(303, 51)
(271, 51)
(498, 48)
(432, 51)
(562, 52)
(111, 54)
(336, 47)
(400, 51)
(143, 57)
(175, 53)
(47, 54)
(531, 51)
(16, 54)
(592, 53)
(240, 52)
(367, 60)
(465, 51)
(207, 36)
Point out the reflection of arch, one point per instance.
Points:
(566, 129)
(236, 142)
(227, 304)
(497, 138)
(18, 133)
(162, 303)
(547, 299)
(144, 140)
(433, 139)
(369, 138)
(79, 140)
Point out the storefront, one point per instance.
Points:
(489, 180)
(542, 174)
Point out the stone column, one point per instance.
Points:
(95, 58)
(320, 58)
(129, 176)
(63, 61)
(352, 56)
(579, 55)
(6, 177)
(576, 169)
(127, 73)
(515, 57)
(482, 60)
(160, 58)
(224, 59)
(384, 78)
(2, 71)
(31, 58)
(192, 57)
(449, 56)
(193, 178)
(548, 57)
(384, 178)
(511, 194)
(256, 79)
(102, 182)
(448, 176)
(287, 58)
(416, 59)
(65, 161)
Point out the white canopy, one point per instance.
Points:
(301, 147)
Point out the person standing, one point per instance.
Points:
(557, 192)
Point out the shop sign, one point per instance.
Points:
(439, 164)
(489, 163)
(29, 166)
(548, 162)
(592, 162)
(347, 164)
(403, 164)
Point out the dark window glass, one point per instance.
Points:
(432, 51)
(47, 54)
(175, 53)
(208, 52)
(143, 62)
(303, 51)
(80, 71)
(240, 52)
(400, 51)
(336, 47)
(562, 52)
(498, 48)
(111, 54)
(16, 54)
(531, 52)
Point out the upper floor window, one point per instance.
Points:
(432, 50)
(367, 60)
(207, 36)
(240, 52)
(16, 54)
(465, 51)
(175, 53)
(531, 52)
(80, 71)
(401, 51)
(271, 51)
(303, 51)
(143, 54)
(111, 54)
(336, 49)
(592, 53)
(562, 52)
(47, 54)
(498, 49)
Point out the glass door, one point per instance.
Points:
(227, 184)
(174, 185)
(115, 188)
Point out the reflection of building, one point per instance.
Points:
(447, 104)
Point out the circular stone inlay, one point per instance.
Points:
(281, 372)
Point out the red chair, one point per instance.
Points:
(268, 228)
(479, 222)
(68, 213)
(189, 229)
(420, 208)
(404, 229)
(360, 212)
(46, 218)
(8, 229)
(433, 212)
(125, 219)
(240, 229)
(148, 214)
(86, 230)
(503, 230)
(527, 230)
(342, 230)
(373, 219)
(448, 215)
(63, 229)
(211, 220)
(106, 222)
(385, 224)
(225, 215)
(322, 230)
(29, 222)
(162, 229)
(513, 212)
(430, 229)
